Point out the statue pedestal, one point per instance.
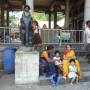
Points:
(26, 67)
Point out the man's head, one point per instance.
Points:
(88, 23)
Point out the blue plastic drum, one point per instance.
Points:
(9, 60)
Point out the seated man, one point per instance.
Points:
(7, 38)
(70, 54)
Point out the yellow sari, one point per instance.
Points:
(69, 55)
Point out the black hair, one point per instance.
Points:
(35, 23)
(87, 22)
(26, 6)
(72, 60)
(69, 45)
(50, 47)
(57, 52)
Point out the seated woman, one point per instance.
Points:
(46, 61)
(69, 53)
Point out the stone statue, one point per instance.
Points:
(25, 29)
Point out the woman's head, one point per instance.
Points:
(68, 47)
(50, 48)
(72, 62)
(26, 8)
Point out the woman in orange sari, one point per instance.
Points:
(69, 53)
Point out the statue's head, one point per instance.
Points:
(26, 8)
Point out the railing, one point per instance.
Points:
(9, 35)
(55, 36)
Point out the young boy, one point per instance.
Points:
(56, 77)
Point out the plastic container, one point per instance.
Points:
(9, 60)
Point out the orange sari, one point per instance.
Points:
(67, 56)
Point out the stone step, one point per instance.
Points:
(84, 74)
(10, 45)
(44, 81)
(83, 61)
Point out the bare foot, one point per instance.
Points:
(65, 78)
(71, 84)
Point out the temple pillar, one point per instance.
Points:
(55, 19)
(31, 4)
(2, 14)
(87, 10)
(49, 20)
(67, 14)
(7, 18)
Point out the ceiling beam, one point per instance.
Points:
(41, 8)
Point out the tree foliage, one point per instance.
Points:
(45, 17)
(40, 16)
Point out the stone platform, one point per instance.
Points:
(26, 66)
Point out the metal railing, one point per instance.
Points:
(56, 36)
(9, 35)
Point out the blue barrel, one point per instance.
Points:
(9, 60)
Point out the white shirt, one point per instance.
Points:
(87, 35)
(57, 62)
(36, 31)
(72, 72)
(72, 69)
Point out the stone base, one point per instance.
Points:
(26, 67)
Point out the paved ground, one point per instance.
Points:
(7, 83)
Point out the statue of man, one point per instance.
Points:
(25, 29)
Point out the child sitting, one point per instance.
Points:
(58, 62)
(58, 57)
(72, 75)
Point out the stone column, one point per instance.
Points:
(67, 14)
(7, 18)
(31, 4)
(55, 19)
(87, 10)
(2, 13)
(49, 20)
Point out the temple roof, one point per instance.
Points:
(44, 3)
(39, 5)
